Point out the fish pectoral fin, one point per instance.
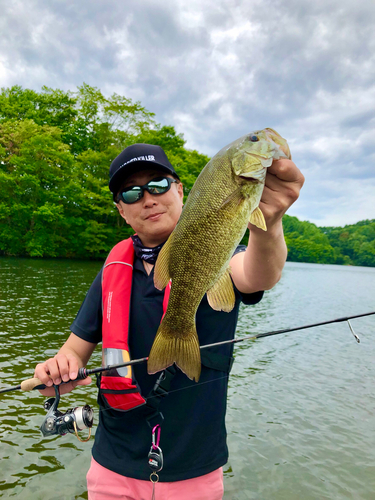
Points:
(235, 196)
(183, 350)
(161, 272)
(221, 296)
(257, 218)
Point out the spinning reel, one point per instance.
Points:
(73, 420)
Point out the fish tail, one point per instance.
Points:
(168, 349)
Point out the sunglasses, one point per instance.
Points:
(132, 194)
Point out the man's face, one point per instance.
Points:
(153, 217)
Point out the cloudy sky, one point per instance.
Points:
(218, 69)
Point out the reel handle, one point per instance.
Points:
(34, 383)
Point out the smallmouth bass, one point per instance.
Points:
(196, 256)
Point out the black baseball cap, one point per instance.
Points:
(135, 158)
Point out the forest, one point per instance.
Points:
(55, 150)
(351, 245)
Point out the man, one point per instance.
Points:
(149, 196)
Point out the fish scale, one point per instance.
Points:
(196, 256)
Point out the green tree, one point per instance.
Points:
(355, 241)
(55, 152)
(307, 243)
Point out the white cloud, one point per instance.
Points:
(217, 70)
(338, 203)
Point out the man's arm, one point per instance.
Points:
(74, 354)
(260, 266)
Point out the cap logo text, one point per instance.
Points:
(140, 158)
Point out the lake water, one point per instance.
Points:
(301, 406)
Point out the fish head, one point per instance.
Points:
(253, 153)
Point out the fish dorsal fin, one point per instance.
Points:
(161, 272)
(257, 218)
(221, 296)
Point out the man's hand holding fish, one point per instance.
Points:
(260, 267)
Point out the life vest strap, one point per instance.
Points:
(118, 391)
(160, 390)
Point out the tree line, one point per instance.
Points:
(55, 150)
(352, 244)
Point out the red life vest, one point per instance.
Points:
(118, 387)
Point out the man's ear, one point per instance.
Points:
(180, 190)
(121, 211)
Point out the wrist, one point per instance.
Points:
(274, 231)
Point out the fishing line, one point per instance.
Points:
(242, 339)
(86, 372)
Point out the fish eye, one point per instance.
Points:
(254, 138)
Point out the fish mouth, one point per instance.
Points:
(280, 141)
(250, 179)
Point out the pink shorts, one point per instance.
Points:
(103, 484)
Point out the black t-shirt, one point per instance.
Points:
(193, 434)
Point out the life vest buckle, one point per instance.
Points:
(163, 383)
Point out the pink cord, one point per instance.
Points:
(156, 445)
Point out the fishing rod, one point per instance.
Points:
(79, 418)
(35, 383)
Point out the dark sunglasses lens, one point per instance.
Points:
(132, 195)
(158, 186)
